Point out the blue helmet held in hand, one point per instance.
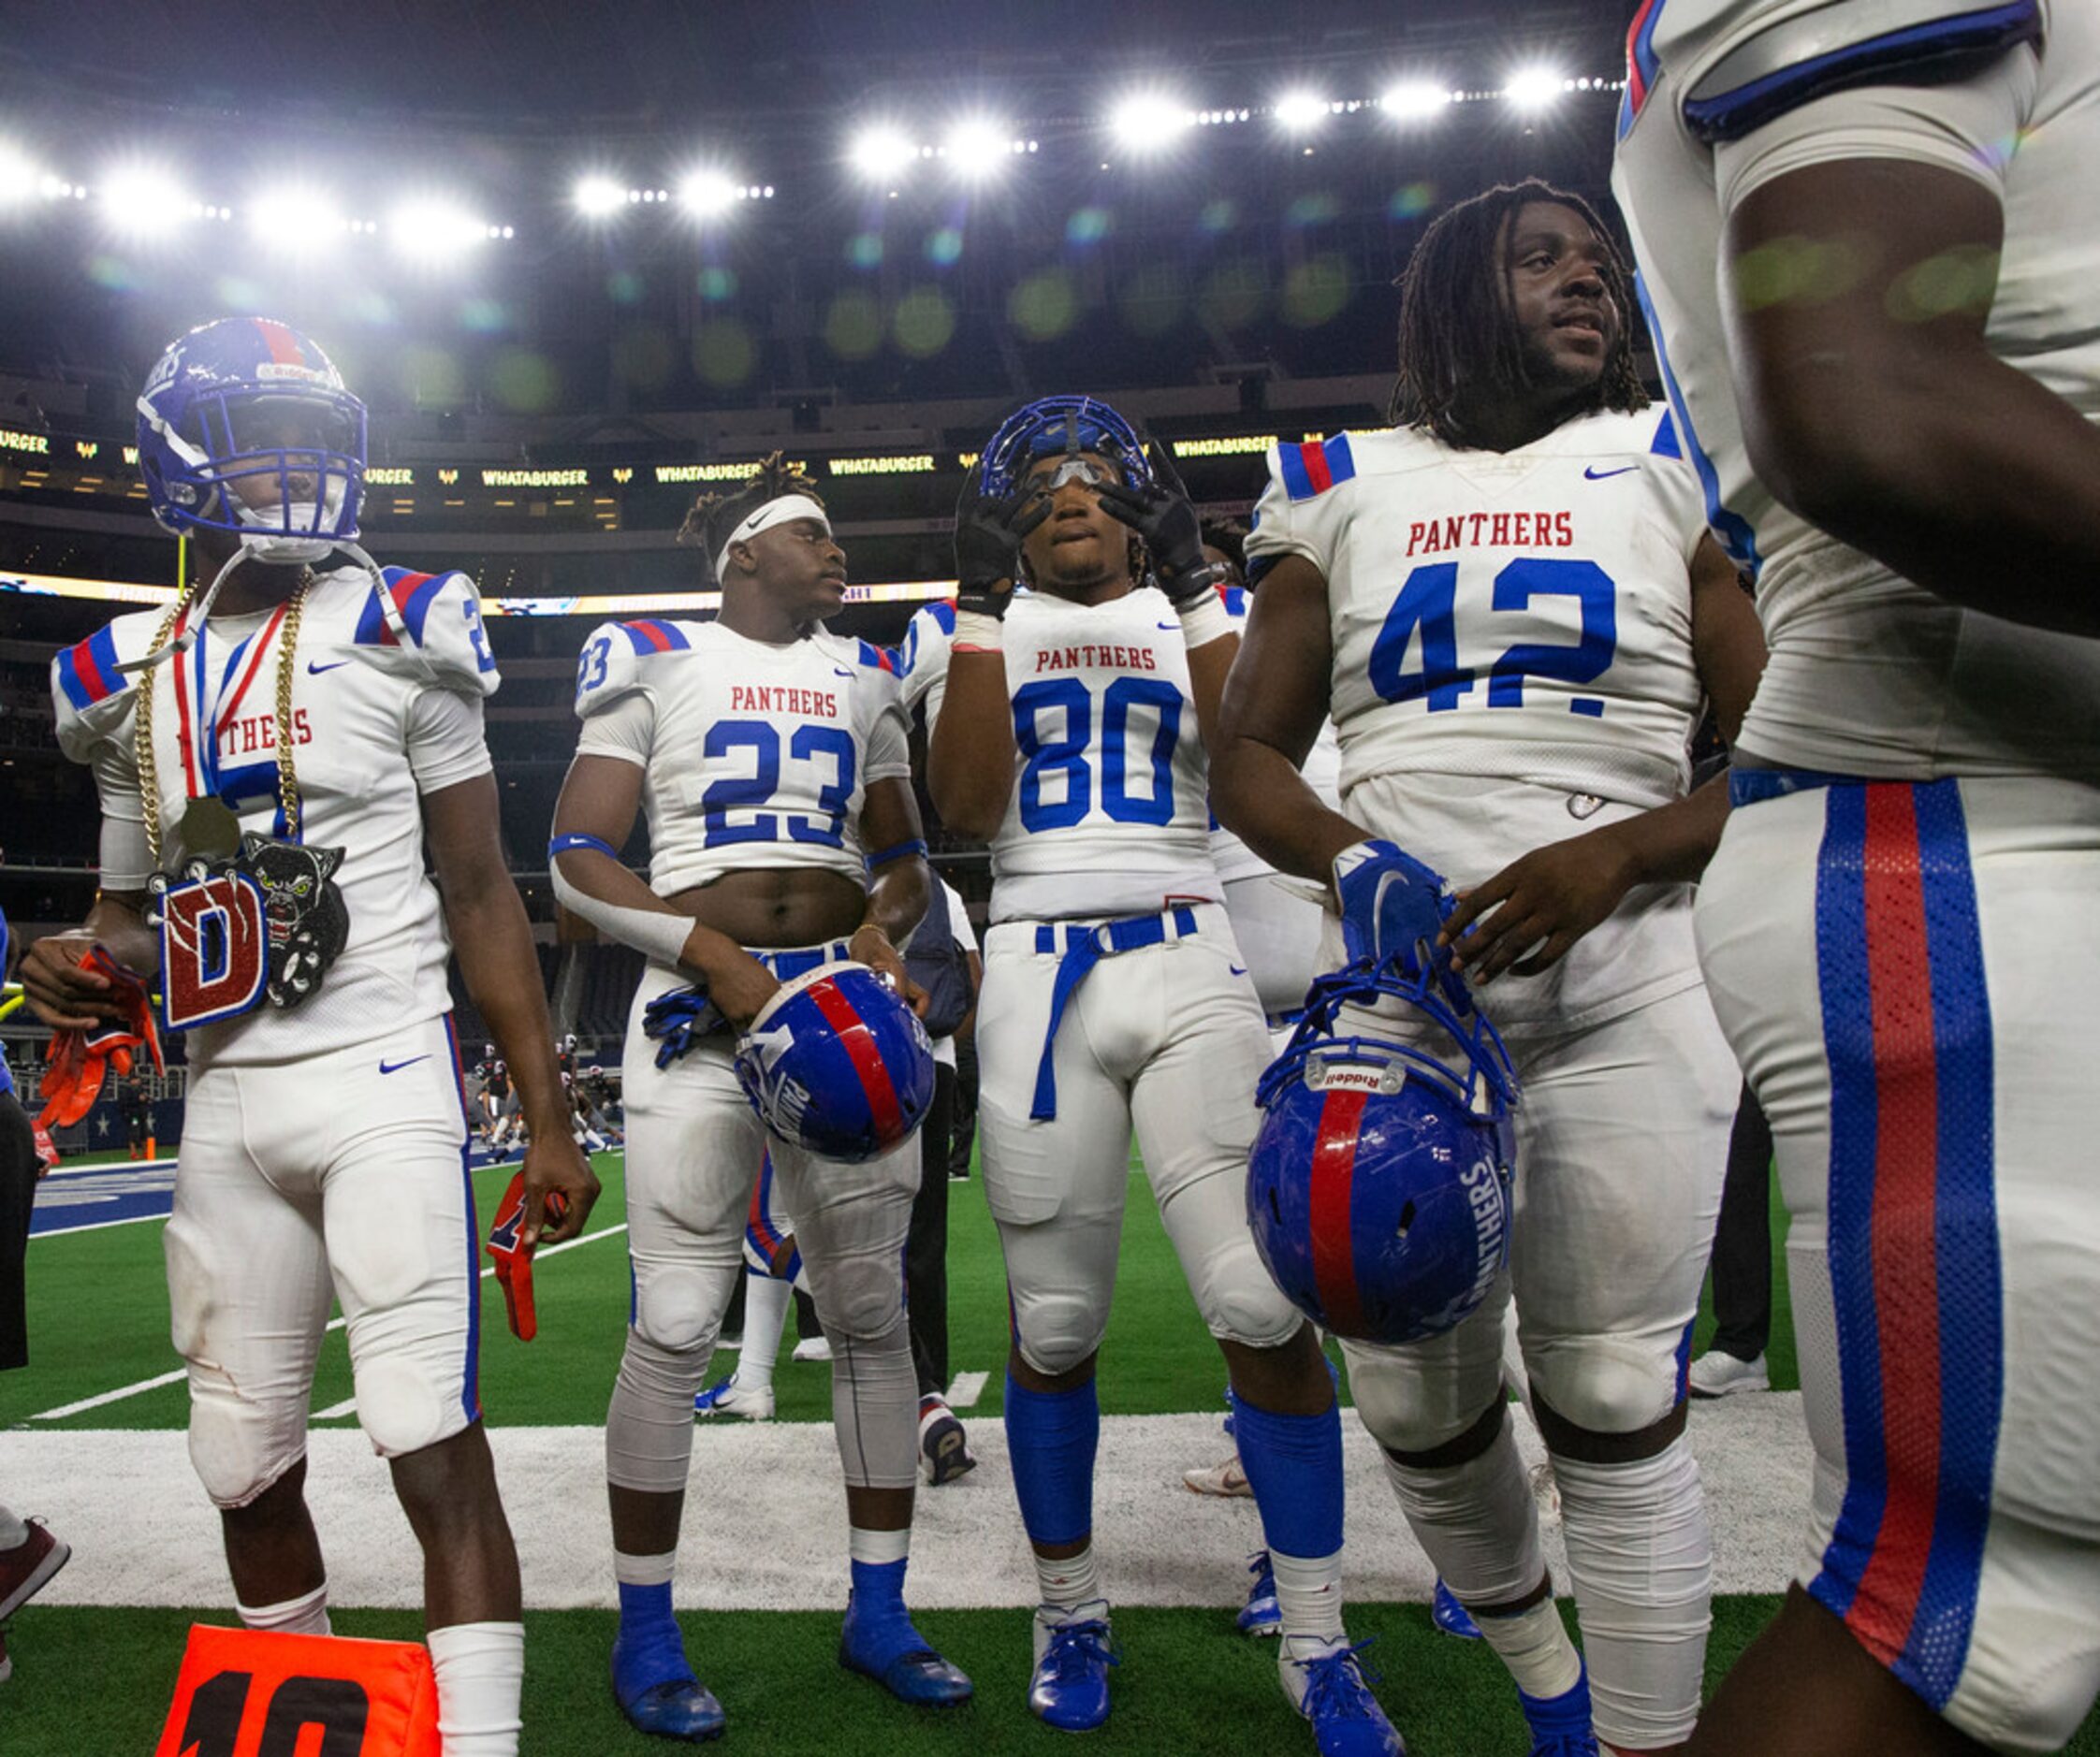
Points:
(837, 1064)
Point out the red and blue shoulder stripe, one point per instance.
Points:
(88, 673)
(1313, 467)
(652, 634)
(877, 657)
(411, 593)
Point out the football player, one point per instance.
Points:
(1510, 606)
(1871, 242)
(274, 755)
(769, 757)
(1067, 729)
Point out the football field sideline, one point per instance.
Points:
(764, 1525)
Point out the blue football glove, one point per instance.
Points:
(1393, 907)
(678, 1020)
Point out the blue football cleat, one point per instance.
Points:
(1261, 1615)
(656, 1688)
(1329, 1687)
(1070, 1689)
(1560, 1726)
(895, 1656)
(1451, 1617)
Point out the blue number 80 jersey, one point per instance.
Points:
(754, 756)
(1110, 811)
(1523, 615)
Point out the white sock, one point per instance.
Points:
(480, 1677)
(1071, 1582)
(307, 1615)
(1534, 1644)
(645, 1570)
(878, 1547)
(14, 1532)
(765, 1309)
(1309, 1595)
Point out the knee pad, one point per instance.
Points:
(679, 1311)
(648, 1427)
(1239, 1301)
(237, 1447)
(1606, 1383)
(1421, 1396)
(1475, 1521)
(1055, 1332)
(1641, 1559)
(860, 1297)
(401, 1408)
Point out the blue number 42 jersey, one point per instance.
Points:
(1520, 615)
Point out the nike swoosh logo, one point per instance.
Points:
(1169, 625)
(313, 670)
(1595, 474)
(395, 1067)
(839, 671)
(1238, 969)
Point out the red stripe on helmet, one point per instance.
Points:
(859, 1045)
(283, 345)
(1334, 1176)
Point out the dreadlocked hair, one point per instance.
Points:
(713, 516)
(1456, 327)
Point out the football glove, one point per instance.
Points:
(1393, 907)
(678, 1020)
(1165, 520)
(80, 1061)
(514, 1259)
(989, 532)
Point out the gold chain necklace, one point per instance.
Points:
(142, 719)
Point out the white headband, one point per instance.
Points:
(781, 510)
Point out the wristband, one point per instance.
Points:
(978, 632)
(567, 844)
(900, 850)
(1204, 620)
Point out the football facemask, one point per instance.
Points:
(1380, 1185)
(1071, 426)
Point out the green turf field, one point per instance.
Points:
(94, 1683)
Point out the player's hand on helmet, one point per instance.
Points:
(560, 1186)
(871, 946)
(1525, 918)
(61, 992)
(989, 532)
(1164, 518)
(1391, 906)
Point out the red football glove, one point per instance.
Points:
(80, 1060)
(513, 1260)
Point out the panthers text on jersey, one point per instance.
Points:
(1518, 614)
(1870, 675)
(376, 722)
(1110, 813)
(754, 755)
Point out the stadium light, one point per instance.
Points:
(1300, 113)
(706, 192)
(978, 146)
(595, 196)
(20, 179)
(295, 221)
(1146, 121)
(1413, 99)
(881, 152)
(1534, 88)
(434, 230)
(144, 200)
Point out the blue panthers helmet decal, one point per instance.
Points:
(244, 427)
(1061, 423)
(836, 1064)
(1380, 1187)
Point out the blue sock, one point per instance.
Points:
(646, 1607)
(1051, 1438)
(652, 1649)
(882, 1626)
(1293, 1464)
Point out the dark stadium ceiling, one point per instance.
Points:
(550, 69)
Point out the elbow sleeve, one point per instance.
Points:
(658, 935)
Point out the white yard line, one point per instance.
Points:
(967, 1390)
(347, 1407)
(158, 1380)
(93, 1225)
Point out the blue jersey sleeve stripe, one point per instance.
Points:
(1665, 443)
(1297, 480)
(1903, 56)
(1730, 527)
(69, 679)
(944, 613)
(1341, 461)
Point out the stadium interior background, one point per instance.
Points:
(581, 264)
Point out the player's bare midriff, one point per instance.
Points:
(782, 907)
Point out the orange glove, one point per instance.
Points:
(514, 1261)
(80, 1060)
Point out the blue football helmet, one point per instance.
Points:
(251, 401)
(1380, 1187)
(1071, 425)
(837, 1064)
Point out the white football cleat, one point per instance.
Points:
(816, 1348)
(1228, 1478)
(1718, 1374)
(753, 1402)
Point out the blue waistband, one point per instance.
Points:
(1751, 787)
(1084, 944)
(801, 960)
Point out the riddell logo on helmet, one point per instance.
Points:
(1351, 1079)
(282, 369)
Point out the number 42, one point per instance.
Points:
(1427, 601)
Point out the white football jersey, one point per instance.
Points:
(1523, 616)
(1321, 768)
(1871, 674)
(754, 755)
(376, 723)
(1110, 813)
